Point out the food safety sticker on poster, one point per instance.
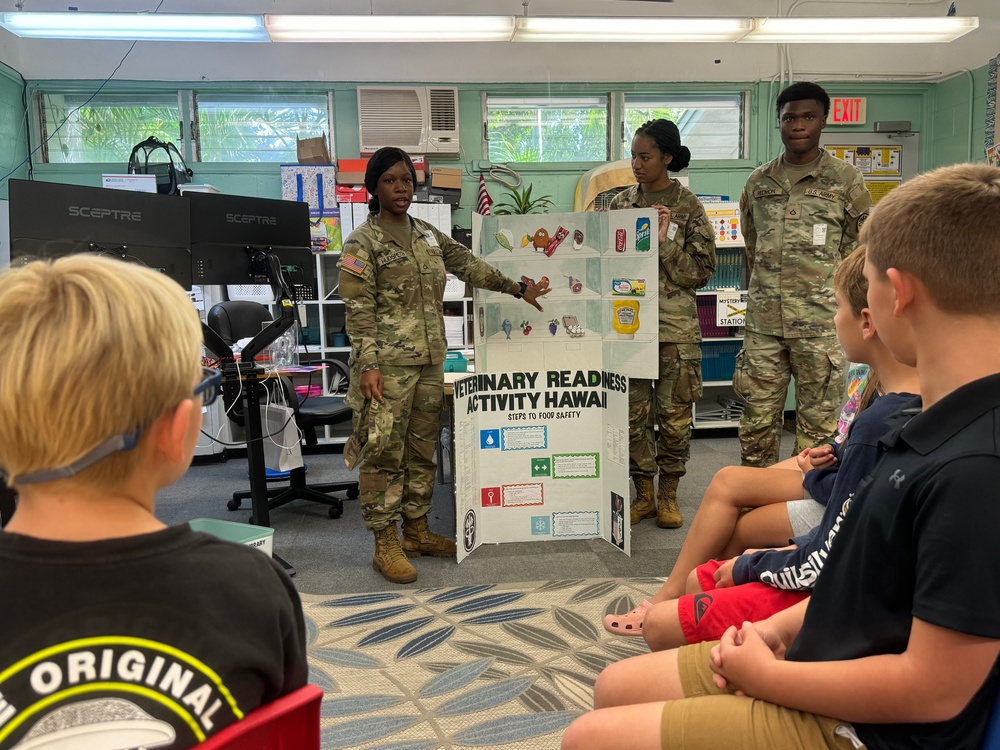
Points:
(541, 455)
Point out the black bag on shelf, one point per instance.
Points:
(160, 158)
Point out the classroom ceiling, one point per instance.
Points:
(508, 62)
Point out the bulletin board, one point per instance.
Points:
(884, 159)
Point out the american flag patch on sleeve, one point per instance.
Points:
(353, 264)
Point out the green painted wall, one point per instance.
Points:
(939, 111)
(13, 132)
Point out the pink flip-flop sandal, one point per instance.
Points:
(630, 623)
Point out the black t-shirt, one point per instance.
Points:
(920, 541)
(162, 638)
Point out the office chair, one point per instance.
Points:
(289, 723)
(237, 320)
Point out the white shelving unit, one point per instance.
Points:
(720, 407)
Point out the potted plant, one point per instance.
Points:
(519, 201)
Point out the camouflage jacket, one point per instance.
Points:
(687, 260)
(394, 296)
(795, 239)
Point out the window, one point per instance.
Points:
(711, 126)
(547, 129)
(79, 129)
(234, 128)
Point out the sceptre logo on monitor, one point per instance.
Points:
(251, 219)
(93, 212)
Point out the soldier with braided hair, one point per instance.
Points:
(687, 261)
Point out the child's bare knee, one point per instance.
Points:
(692, 585)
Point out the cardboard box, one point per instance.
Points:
(444, 195)
(139, 183)
(351, 171)
(313, 150)
(259, 537)
(420, 165)
(446, 177)
(351, 194)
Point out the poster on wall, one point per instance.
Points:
(881, 165)
(541, 455)
(603, 310)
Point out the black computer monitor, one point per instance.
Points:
(50, 220)
(230, 231)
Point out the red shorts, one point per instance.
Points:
(705, 616)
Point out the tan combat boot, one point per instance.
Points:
(644, 506)
(668, 514)
(420, 540)
(389, 559)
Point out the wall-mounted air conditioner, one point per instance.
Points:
(417, 119)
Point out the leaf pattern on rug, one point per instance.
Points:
(507, 615)
(372, 615)
(485, 698)
(501, 653)
(425, 643)
(358, 704)
(536, 636)
(485, 602)
(461, 592)
(577, 625)
(513, 728)
(596, 591)
(540, 700)
(594, 662)
(355, 731)
(461, 667)
(396, 630)
(359, 600)
(454, 678)
(620, 605)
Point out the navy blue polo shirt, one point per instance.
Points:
(922, 540)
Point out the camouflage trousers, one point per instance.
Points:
(399, 482)
(764, 368)
(677, 388)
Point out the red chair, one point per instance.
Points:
(289, 723)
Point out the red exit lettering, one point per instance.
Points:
(848, 110)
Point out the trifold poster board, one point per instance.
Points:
(541, 455)
(603, 310)
(541, 429)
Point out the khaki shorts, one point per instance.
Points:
(709, 718)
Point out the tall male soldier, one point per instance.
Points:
(800, 215)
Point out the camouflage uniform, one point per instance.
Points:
(687, 261)
(796, 236)
(395, 319)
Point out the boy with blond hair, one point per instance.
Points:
(898, 645)
(115, 625)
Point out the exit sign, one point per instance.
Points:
(846, 110)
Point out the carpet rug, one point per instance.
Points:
(492, 666)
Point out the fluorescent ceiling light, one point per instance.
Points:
(568, 29)
(164, 27)
(389, 28)
(861, 30)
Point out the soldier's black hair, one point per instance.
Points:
(667, 138)
(382, 160)
(802, 91)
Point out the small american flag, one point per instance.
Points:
(484, 198)
(353, 264)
